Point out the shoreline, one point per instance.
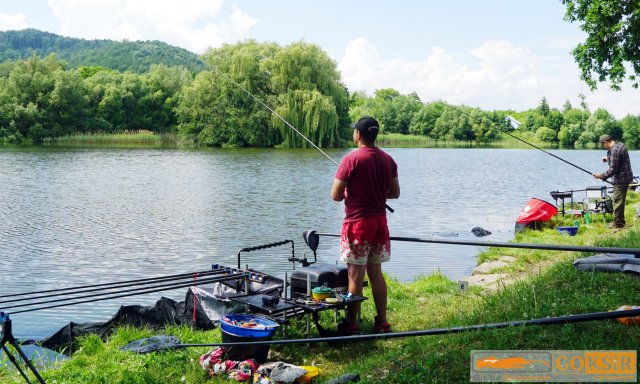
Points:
(144, 138)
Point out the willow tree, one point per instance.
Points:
(310, 96)
(242, 63)
(218, 108)
(312, 114)
(299, 82)
(234, 83)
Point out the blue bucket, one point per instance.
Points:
(571, 231)
(266, 326)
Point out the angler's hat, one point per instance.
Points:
(605, 138)
(367, 124)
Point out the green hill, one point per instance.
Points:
(135, 56)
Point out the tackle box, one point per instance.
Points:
(333, 276)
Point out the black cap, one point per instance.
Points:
(605, 138)
(366, 124)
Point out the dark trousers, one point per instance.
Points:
(619, 198)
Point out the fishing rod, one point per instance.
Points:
(594, 316)
(551, 247)
(551, 154)
(116, 295)
(513, 136)
(107, 286)
(281, 119)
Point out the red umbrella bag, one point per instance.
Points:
(536, 210)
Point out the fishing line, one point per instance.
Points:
(91, 299)
(281, 119)
(105, 286)
(507, 133)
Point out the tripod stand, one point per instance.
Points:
(7, 337)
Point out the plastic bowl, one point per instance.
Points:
(321, 296)
(571, 231)
(266, 326)
(321, 293)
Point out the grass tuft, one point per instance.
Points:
(127, 138)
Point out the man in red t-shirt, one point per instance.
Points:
(366, 178)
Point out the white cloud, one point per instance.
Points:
(497, 75)
(10, 22)
(192, 24)
(504, 60)
(499, 72)
(235, 28)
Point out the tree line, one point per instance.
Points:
(577, 126)
(42, 98)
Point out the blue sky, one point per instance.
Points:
(494, 54)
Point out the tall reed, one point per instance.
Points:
(126, 138)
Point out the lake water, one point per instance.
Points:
(82, 216)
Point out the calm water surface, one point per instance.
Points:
(84, 216)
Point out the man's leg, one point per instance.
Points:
(356, 275)
(619, 197)
(379, 290)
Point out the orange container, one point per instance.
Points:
(635, 320)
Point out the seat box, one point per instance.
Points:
(333, 276)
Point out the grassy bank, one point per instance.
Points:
(428, 302)
(128, 138)
(396, 140)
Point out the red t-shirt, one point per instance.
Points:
(368, 172)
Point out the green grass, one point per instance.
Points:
(128, 138)
(427, 302)
(430, 302)
(398, 140)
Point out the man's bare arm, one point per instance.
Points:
(337, 190)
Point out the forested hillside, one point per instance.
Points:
(135, 56)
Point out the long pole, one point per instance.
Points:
(595, 316)
(116, 295)
(103, 287)
(552, 247)
(282, 119)
(549, 153)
